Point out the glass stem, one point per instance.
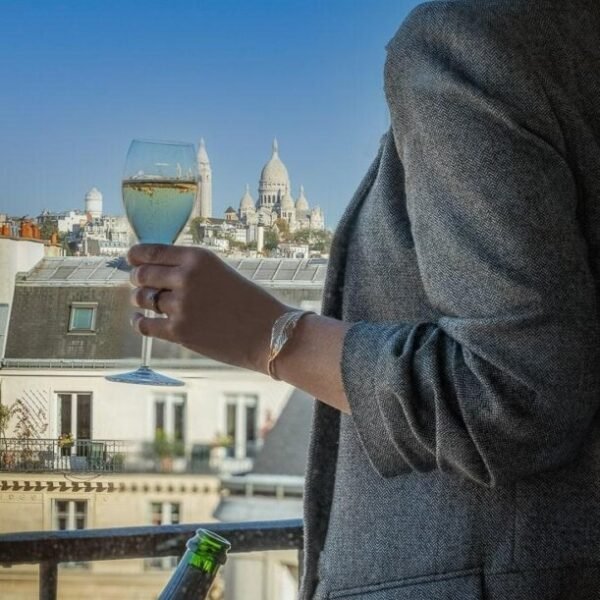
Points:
(146, 344)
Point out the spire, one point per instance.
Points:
(247, 188)
(202, 154)
(275, 146)
(301, 190)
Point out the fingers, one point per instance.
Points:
(156, 276)
(157, 254)
(158, 327)
(144, 298)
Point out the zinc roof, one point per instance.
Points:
(74, 270)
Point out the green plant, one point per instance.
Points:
(165, 447)
(66, 440)
(30, 424)
(118, 461)
(6, 414)
(271, 241)
(221, 440)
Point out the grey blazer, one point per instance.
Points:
(469, 261)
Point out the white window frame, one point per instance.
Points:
(170, 399)
(240, 400)
(71, 523)
(74, 396)
(163, 562)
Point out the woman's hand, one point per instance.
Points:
(210, 308)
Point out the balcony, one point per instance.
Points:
(119, 456)
(47, 455)
(49, 549)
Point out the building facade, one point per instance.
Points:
(99, 454)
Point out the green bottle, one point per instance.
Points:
(196, 571)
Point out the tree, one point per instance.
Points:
(195, 229)
(284, 228)
(271, 241)
(47, 228)
(302, 236)
(322, 241)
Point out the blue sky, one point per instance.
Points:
(80, 79)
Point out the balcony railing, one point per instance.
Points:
(44, 455)
(117, 456)
(49, 548)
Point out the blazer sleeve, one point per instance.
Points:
(505, 384)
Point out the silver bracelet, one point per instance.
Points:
(281, 334)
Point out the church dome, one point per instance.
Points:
(287, 202)
(246, 202)
(93, 203)
(274, 173)
(94, 195)
(302, 202)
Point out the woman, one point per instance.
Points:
(455, 449)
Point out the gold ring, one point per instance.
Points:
(155, 298)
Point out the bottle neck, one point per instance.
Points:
(207, 551)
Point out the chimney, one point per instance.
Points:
(25, 230)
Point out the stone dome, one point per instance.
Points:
(93, 203)
(274, 173)
(287, 202)
(302, 202)
(93, 195)
(246, 202)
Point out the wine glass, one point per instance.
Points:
(159, 190)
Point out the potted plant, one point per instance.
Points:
(6, 455)
(66, 440)
(163, 450)
(221, 448)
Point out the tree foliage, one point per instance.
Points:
(47, 228)
(271, 241)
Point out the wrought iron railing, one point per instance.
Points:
(117, 456)
(43, 455)
(49, 548)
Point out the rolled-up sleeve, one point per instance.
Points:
(505, 384)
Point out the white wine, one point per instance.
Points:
(158, 209)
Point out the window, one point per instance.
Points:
(169, 418)
(75, 418)
(241, 424)
(70, 515)
(83, 317)
(164, 513)
(75, 414)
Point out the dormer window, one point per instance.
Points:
(83, 317)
